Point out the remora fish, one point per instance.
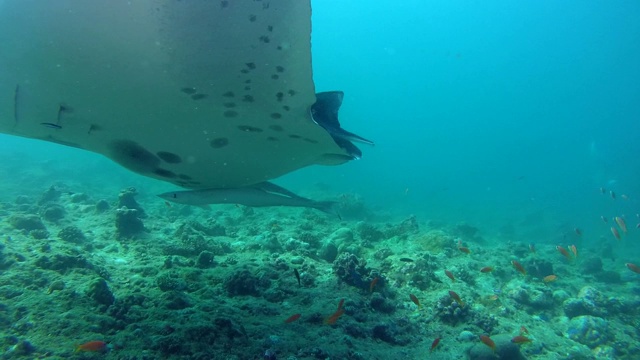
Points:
(259, 195)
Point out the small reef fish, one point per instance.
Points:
(456, 297)
(450, 275)
(486, 269)
(523, 330)
(292, 318)
(297, 274)
(549, 278)
(373, 284)
(435, 343)
(520, 339)
(336, 315)
(464, 249)
(406, 260)
(518, 267)
(624, 197)
(563, 251)
(532, 248)
(603, 190)
(487, 341)
(615, 233)
(621, 223)
(613, 195)
(633, 267)
(168, 204)
(574, 250)
(578, 231)
(415, 300)
(604, 219)
(638, 226)
(92, 346)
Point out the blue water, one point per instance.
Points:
(507, 115)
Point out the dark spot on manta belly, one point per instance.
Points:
(310, 140)
(169, 157)
(229, 104)
(184, 177)
(248, 128)
(271, 138)
(199, 96)
(218, 143)
(275, 76)
(229, 94)
(133, 156)
(276, 116)
(248, 98)
(230, 113)
(251, 65)
(165, 173)
(294, 136)
(188, 90)
(279, 69)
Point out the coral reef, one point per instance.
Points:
(26, 222)
(72, 234)
(128, 223)
(126, 198)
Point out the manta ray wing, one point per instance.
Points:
(202, 94)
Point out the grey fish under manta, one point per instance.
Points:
(259, 195)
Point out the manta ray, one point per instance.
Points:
(213, 96)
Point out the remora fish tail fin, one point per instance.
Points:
(324, 112)
(324, 206)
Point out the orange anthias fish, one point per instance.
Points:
(373, 284)
(334, 317)
(292, 318)
(519, 267)
(633, 267)
(93, 346)
(415, 300)
(464, 249)
(574, 250)
(621, 223)
(486, 269)
(520, 339)
(615, 233)
(487, 341)
(564, 252)
(434, 344)
(450, 275)
(550, 278)
(456, 297)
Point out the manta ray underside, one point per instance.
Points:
(201, 94)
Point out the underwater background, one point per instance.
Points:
(499, 126)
